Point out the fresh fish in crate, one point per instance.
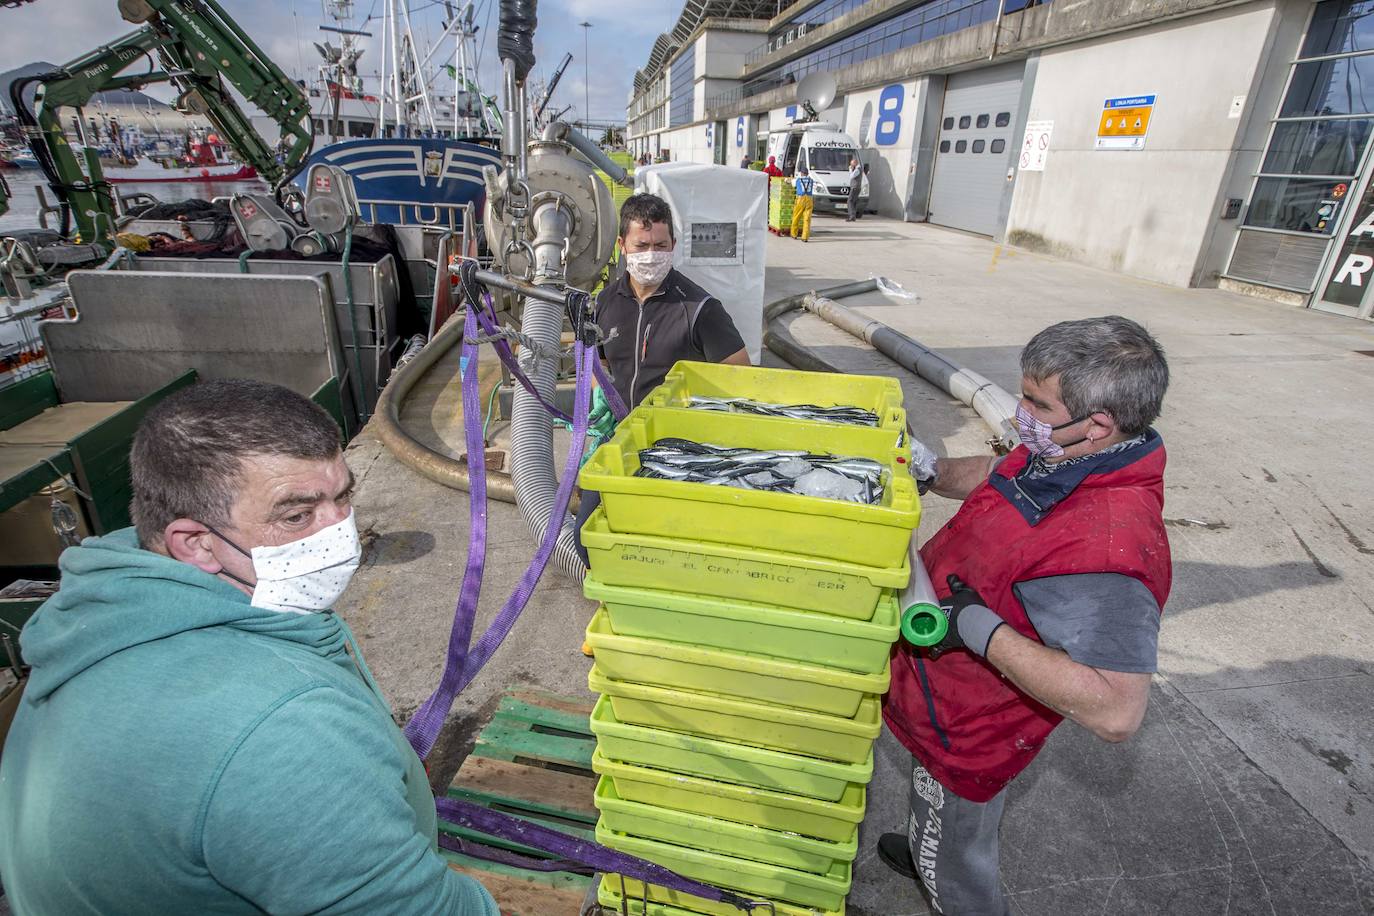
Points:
(780, 470)
(855, 416)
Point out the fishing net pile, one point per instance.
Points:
(858, 480)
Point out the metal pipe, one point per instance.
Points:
(427, 462)
(513, 136)
(561, 130)
(551, 295)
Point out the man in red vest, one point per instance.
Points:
(1053, 574)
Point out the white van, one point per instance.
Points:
(825, 150)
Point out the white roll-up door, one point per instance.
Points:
(975, 148)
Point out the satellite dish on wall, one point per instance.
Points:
(815, 93)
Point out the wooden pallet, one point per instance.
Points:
(533, 760)
(780, 230)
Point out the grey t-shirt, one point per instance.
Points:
(1104, 620)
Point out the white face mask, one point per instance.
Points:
(649, 267)
(307, 575)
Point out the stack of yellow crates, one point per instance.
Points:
(782, 195)
(742, 645)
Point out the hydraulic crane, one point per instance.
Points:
(198, 47)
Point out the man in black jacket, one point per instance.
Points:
(651, 316)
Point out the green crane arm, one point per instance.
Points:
(198, 47)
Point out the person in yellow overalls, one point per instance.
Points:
(801, 210)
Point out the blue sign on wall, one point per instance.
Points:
(889, 126)
(1130, 101)
(739, 132)
(791, 112)
(708, 135)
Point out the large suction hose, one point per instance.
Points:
(387, 423)
(531, 428)
(991, 402)
(561, 130)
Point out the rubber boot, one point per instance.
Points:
(896, 854)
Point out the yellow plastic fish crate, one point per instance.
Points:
(817, 639)
(686, 381)
(774, 847)
(782, 197)
(874, 535)
(824, 820)
(724, 761)
(880, 394)
(773, 882)
(743, 676)
(618, 894)
(743, 573)
(779, 728)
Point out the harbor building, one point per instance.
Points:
(1189, 142)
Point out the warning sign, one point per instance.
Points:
(1124, 122)
(1035, 146)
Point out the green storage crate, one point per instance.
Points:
(724, 761)
(782, 198)
(731, 571)
(824, 820)
(770, 881)
(618, 894)
(778, 728)
(878, 393)
(877, 535)
(759, 678)
(818, 639)
(774, 847)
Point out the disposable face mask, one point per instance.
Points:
(649, 267)
(307, 575)
(1035, 434)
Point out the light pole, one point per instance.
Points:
(586, 77)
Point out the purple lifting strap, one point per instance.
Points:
(462, 665)
(486, 317)
(568, 848)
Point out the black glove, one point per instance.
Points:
(960, 598)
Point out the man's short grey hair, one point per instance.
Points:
(1111, 364)
(189, 450)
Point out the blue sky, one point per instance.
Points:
(621, 35)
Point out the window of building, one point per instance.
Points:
(1318, 142)
(1323, 125)
(682, 76)
(978, 146)
(949, 124)
(961, 146)
(998, 146)
(1003, 119)
(982, 122)
(926, 22)
(944, 146)
(964, 122)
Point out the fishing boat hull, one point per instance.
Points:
(410, 180)
(150, 172)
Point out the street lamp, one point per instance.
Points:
(586, 77)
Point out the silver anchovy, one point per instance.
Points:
(776, 470)
(855, 416)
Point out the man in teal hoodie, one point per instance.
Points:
(199, 733)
